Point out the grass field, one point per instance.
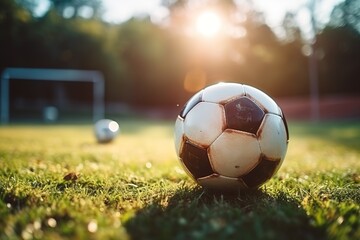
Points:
(134, 188)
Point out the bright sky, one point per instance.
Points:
(275, 11)
(122, 10)
(117, 11)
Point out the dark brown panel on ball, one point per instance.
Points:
(261, 173)
(196, 160)
(244, 115)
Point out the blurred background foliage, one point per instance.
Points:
(162, 64)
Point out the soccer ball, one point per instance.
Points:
(106, 130)
(230, 137)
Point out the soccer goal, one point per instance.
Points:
(47, 90)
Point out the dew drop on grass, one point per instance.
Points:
(148, 165)
(340, 220)
(51, 222)
(37, 225)
(92, 226)
(26, 235)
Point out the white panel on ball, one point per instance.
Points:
(218, 182)
(204, 123)
(234, 153)
(263, 99)
(178, 134)
(222, 92)
(272, 137)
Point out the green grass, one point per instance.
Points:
(135, 188)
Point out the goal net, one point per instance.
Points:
(33, 94)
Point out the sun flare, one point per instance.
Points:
(208, 24)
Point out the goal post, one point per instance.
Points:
(68, 75)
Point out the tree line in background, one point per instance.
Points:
(146, 63)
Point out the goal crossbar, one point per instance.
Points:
(70, 75)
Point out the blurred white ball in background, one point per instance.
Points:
(106, 130)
